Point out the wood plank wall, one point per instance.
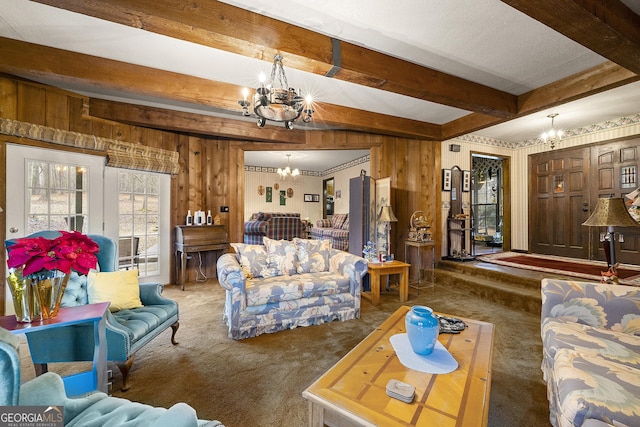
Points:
(212, 169)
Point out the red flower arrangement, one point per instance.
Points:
(38, 255)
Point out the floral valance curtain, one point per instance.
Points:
(119, 153)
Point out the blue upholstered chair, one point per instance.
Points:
(127, 330)
(96, 409)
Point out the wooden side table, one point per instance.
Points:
(83, 382)
(378, 269)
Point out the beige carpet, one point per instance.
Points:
(259, 381)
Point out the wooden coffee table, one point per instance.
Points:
(352, 392)
(379, 269)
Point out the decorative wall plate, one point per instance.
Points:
(276, 186)
(289, 192)
(260, 190)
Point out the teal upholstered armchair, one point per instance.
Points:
(96, 409)
(127, 330)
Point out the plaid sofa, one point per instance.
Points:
(274, 225)
(591, 353)
(335, 229)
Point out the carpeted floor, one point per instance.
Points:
(259, 381)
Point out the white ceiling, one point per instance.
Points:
(484, 41)
(310, 160)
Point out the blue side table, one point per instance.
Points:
(82, 382)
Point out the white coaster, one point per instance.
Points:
(440, 361)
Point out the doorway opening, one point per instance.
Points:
(328, 189)
(487, 203)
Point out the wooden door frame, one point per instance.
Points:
(324, 195)
(506, 195)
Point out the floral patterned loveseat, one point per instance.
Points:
(591, 353)
(285, 284)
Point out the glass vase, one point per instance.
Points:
(25, 303)
(48, 292)
(423, 328)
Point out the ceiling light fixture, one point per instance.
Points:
(275, 100)
(288, 172)
(553, 135)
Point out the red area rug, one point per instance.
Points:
(627, 274)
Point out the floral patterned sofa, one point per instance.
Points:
(335, 229)
(591, 353)
(285, 284)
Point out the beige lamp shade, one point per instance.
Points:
(611, 213)
(386, 214)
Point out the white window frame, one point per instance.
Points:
(164, 234)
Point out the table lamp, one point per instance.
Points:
(387, 216)
(610, 213)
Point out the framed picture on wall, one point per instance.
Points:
(269, 194)
(315, 198)
(308, 197)
(446, 179)
(466, 180)
(283, 198)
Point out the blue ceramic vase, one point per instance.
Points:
(423, 328)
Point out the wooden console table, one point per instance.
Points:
(83, 382)
(197, 238)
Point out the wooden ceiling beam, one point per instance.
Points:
(235, 30)
(607, 27)
(91, 73)
(589, 82)
(192, 123)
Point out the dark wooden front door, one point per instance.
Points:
(564, 190)
(615, 164)
(560, 203)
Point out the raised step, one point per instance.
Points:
(507, 288)
(514, 276)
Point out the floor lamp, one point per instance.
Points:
(610, 213)
(387, 216)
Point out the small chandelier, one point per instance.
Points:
(275, 100)
(553, 135)
(287, 172)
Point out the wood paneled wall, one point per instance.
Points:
(212, 169)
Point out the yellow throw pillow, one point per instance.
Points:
(120, 288)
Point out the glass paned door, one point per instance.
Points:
(139, 221)
(52, 190)
(56, 196)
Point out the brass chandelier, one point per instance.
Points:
(553, 136)
(286, 172)
(274, 100)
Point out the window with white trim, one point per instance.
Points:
(56, 196)
(139, 221)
